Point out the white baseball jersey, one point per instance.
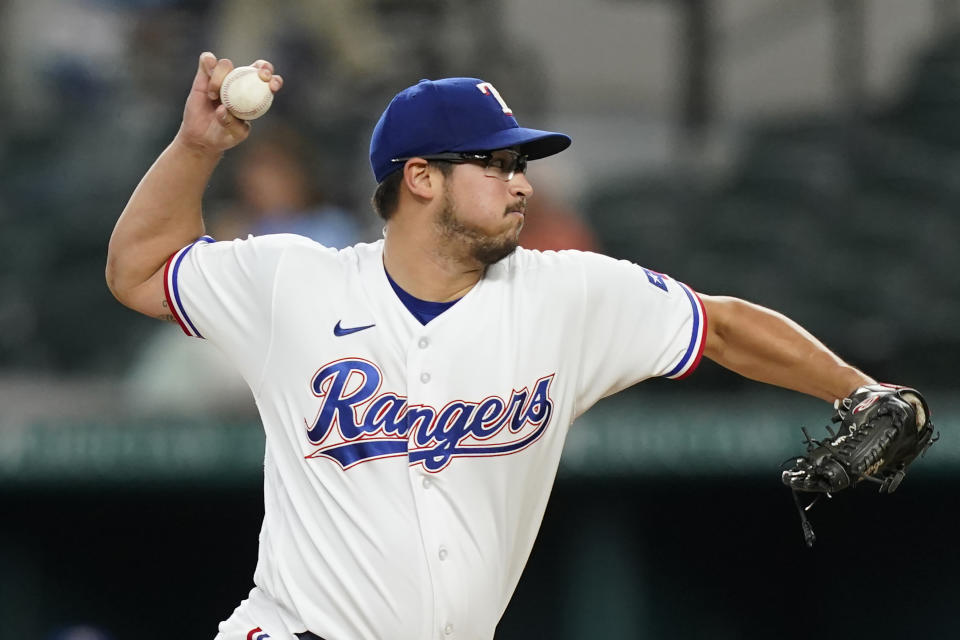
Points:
(408, 466)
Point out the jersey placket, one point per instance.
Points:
(428, 496)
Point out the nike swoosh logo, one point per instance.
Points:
(345, 331)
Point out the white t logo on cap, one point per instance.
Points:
(488, 89)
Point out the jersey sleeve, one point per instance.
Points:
(222, 291)
(638, 324)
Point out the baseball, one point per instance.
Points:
(244, 94)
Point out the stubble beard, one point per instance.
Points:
(464, 241)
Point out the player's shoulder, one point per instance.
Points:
(285, 242)
(562, 262)
(294, 247)
(540, 272)
(262, 244)
(593, 270)
(526, 259)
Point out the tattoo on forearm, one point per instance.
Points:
(166, 317)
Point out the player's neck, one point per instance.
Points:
(421, 268)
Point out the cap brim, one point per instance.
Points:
(533, 143)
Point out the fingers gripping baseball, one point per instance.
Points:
(207, 123)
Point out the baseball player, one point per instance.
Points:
(416, 392)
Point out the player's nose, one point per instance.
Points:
(520, 186)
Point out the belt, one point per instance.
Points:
(306, 635)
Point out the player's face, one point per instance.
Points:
(481, 216)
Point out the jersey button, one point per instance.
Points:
(427, 483)
(424, 377)
(442, 554)
(424, 343)
(448, 629)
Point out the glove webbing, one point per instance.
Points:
(887, 485)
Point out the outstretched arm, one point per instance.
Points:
(769, 347)
(164, 213)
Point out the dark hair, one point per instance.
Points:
(387, 196)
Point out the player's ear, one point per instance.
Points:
(419, 179)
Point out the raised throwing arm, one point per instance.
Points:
(164, 213)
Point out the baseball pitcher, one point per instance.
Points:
(416, 392)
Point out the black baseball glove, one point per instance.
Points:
(883, 428)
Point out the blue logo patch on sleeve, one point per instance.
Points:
(656, 279)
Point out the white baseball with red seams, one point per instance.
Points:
(245, 94)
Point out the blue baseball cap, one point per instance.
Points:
(452, 114)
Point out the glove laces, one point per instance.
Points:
(809, 537)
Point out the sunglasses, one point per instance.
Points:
(502, 164)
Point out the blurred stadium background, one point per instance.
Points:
(800, 154)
